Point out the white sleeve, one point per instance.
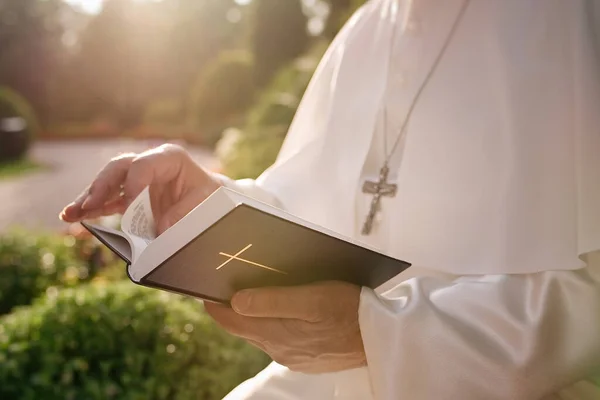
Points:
(276, 382)
(509, 337)
(251, 188)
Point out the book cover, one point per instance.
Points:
(231, 242)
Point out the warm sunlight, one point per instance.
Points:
(89, 6)
(95, 6)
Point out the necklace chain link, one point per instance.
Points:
(402, 133)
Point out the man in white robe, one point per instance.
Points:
(497, 206)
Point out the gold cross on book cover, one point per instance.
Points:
(231, 242)
(237, 257)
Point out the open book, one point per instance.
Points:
(231, 242)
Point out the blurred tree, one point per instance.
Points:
(279, 34)
(339, 12)
(134, 52)
(201, 29)
(223, 92)
(30, 40)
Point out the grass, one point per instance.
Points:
(18, 168)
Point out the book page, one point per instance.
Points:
(138, 223)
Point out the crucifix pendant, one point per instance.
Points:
(378, 190)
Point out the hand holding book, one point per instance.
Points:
(218, 241)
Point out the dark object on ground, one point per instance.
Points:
(17, 125)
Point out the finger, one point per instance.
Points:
(252, 329)
(156, 166)
(113, 206)
(73, 212)
(299, 302)
(116, 206)
(110, 208)
(180, 210)
(107, 184)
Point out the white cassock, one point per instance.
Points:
(498, 203)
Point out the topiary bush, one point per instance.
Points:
(119, 341)
(32, 264)
(16, 112)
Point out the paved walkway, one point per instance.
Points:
(34, 200)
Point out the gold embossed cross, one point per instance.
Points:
(237, 257)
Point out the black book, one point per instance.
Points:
(231, 242)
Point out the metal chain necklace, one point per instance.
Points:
(382, 188)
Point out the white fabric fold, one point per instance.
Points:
(494, 337)
(511, 337)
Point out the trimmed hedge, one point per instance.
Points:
(32, 264)
(119, 341)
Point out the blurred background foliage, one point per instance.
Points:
(225, 74)
(30, 265)
(174, 69)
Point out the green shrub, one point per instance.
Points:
(246, 153)
(32, 264)
(14, 144)
(119, 341)
(223, 92)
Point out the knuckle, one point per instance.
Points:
(140, 167)
(159, 155)
(124, 157)
(265, 343)
(140, 160)
(173, 149)
(97, 186)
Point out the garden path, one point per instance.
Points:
(34, 200)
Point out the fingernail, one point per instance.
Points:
(241, 301)
(61, 215)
